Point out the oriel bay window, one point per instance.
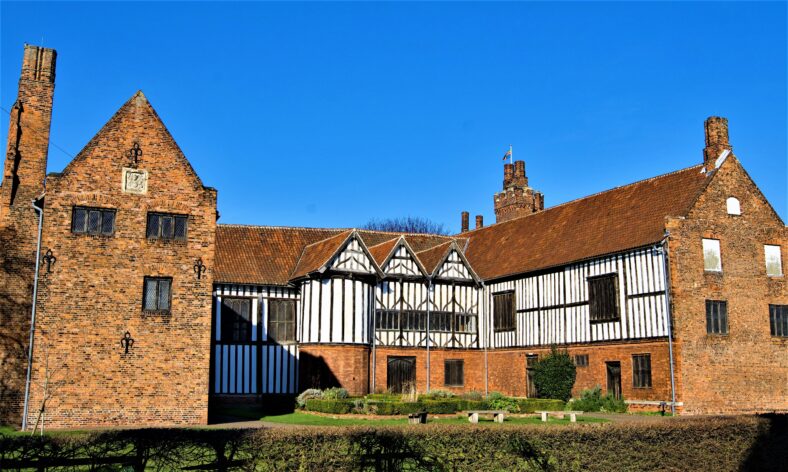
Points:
(157, 294)
(95, 221)
(503, 311)
(236, 320)
(410, 320)
(166, 226)
(281, 320)
(603, 298)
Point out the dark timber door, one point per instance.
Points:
(401, 373)
(530, 362)
(614, 379)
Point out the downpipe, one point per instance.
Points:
(40, 211)
(669, 316)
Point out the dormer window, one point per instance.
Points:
(734, 208)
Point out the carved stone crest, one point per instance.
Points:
(135, 181)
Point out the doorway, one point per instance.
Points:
(530, 363)
(614, 379)
(401, 374)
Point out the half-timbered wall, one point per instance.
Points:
(401, 314)
(258, 365)
(336, 310)
(402, 263)
(453, 268)
(352, 259)
(552, 308)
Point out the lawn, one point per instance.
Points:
(307, 419)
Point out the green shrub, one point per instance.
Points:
(467, 405)
(398, 408)
(530, 405)
(336, 407)
(307, 394)
(554, 375)
(593, 400)
(335, 393)
(499, 401)
(383, 397)
(476, 396)
(434, 394)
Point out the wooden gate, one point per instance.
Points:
(401, 373)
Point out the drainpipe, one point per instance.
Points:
(669, 315)
(40, 211)
(486, 339)
(429, 303)
(374, 335)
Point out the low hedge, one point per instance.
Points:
(530, 405)
(337, 407)
(682, 444)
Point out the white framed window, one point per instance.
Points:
(774, 263)
(734, 207)
(712, 261)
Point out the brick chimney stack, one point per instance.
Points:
(465, 221)
(517, 198)
(479, 222)
(717, 141)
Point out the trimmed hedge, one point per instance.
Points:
(337, 407)
(530, 405)
(682, 444)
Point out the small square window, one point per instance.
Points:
(157, 294)
(281, 320)
(774, 263)
(581, 360)
(716, 317)
(166, 226)
(712, 261)
(778, 320)
(454, 373)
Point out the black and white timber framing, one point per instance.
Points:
(354, 302)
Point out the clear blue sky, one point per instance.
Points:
(331, 114)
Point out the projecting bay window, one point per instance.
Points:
(157, 295)
(95, 221)
(503, 311)
(603, 298)
(712, 260)
(454, 373)
(281, 320)
(236, 320)
(774, 263)
(166, 226)
(778, 320)
(716, 317)
(641, 370)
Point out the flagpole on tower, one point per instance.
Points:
(511, 155)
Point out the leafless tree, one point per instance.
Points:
(47, 384)
(408, 224)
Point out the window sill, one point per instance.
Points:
(612, 320)
(453, 386)
(157, 312)
(509, 330)
(642, 388)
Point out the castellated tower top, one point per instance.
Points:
(517, 198)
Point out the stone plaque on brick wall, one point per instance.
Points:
(135, 180)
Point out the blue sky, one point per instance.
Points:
(332, 114)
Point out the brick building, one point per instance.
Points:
(146, 309)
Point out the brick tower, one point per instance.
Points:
(23, 181)
(517, 198)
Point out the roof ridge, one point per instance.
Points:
(239, 225)
(435, 246)
(660, 176)
(397, 238)
(403, 233)
(350, 231)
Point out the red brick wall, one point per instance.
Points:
(94, 293)
(473, 368)
(323, 366)
(23, 177)
(746, 370)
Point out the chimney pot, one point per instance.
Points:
(508, 175)
(479, 221)
(465, 222)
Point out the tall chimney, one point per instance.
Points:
(717, 141)
(508, 175)
(479, 222)
(519, 174)
(465, 218)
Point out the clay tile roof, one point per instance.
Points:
(612, 221)
(317, 254)
(263, 255)
(431, 257)
(381, 251)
